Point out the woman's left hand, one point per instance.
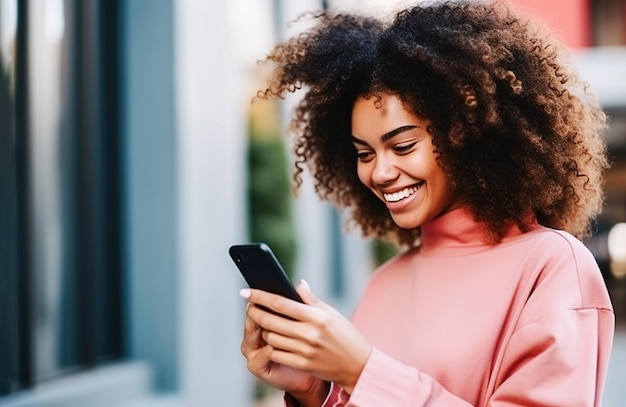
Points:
(317, 339)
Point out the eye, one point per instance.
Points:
(365, 156)
(404, 148)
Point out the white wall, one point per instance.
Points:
(211, 162)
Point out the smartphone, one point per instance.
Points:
(261, 269)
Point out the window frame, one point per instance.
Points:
(96, 227)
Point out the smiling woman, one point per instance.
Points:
(459, 130)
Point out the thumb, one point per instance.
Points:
(307, 296)
(305, 292)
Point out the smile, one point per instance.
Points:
(402, 194)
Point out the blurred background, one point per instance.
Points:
(131, 158)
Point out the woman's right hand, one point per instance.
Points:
(308, 389)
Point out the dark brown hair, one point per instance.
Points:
(515, 128)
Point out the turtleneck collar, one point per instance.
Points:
(456, 230)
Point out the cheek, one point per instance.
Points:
(446, 191)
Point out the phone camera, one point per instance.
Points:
(238, 258)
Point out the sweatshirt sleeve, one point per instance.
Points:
(387, 382)
(336, 397)
(559, 360)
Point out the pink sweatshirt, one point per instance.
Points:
(459, 323)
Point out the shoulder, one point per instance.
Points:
(563, 261)
(554, 245)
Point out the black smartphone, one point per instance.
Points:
(262, 270)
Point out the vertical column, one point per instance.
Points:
(211, 184)
(150, 190)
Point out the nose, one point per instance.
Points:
(385, 171)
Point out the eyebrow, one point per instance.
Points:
(387, 136)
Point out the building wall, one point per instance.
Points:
(570, 19)
(183, 166)
(183, 119)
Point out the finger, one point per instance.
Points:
(270, 321)
(252, 338)
(286, 343)
(304, 290)
(259, 360)
(277, 303)
(292, 360)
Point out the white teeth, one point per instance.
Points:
(397, 196)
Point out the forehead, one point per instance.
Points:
(379, 114)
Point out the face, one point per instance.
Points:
(397, 162)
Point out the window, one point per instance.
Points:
(61, 243)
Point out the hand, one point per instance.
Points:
(317, 339)
(257, 353)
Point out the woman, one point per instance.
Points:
(458, 131)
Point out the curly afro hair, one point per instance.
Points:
(515, 128)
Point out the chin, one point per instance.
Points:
(404, 223)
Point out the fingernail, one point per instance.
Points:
(245, 293)
(306, 284)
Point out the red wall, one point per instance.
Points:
(569, 19)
